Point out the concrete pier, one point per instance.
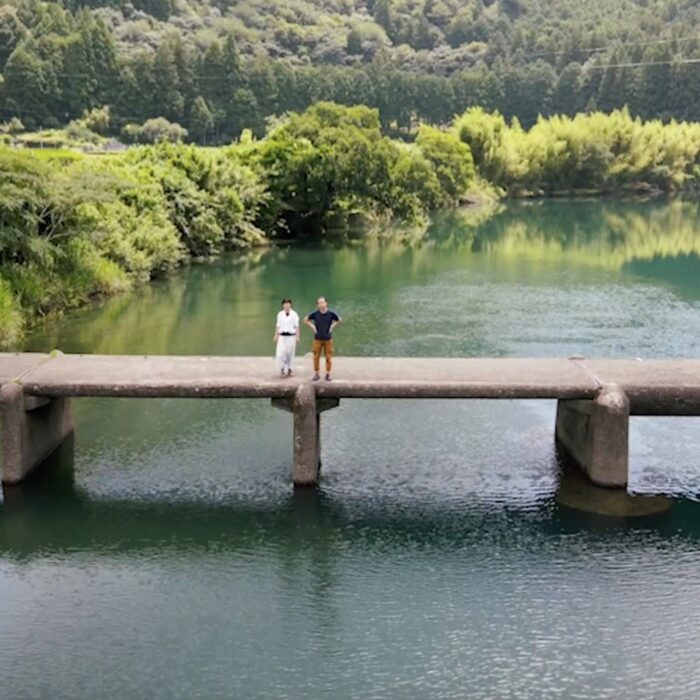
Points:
(595, 397)
(307, 456)
(595, 434)
(305, 464)
(32, 428)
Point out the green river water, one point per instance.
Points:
(166, 555)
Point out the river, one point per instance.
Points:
(166, 554)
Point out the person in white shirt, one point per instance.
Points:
(286, 338)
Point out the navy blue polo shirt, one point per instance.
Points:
(323, 323)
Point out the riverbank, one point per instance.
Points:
(74, 227)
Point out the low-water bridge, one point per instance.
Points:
(595, 396)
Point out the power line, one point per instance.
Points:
(682, 61)
(600, 49)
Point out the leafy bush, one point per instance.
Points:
(11, 320)
(601, 152)
(331, 162)
(154, 131)
(451, 159)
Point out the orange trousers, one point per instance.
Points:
(325, 347)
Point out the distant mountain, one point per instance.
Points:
(218, 66)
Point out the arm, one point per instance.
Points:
(310, 324)
(336, 322)
(277, 330)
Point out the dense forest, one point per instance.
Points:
(208, 69)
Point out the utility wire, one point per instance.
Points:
(600, 49)
(676, 62)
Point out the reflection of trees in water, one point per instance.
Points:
(606, 234)
(228, 306)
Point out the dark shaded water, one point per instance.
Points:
(170, 557)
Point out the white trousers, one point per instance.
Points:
(286, 345)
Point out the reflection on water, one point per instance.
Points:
(170, 556)
(611, 234)
(559, 271)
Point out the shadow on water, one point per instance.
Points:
(49, 513)
(683, 270)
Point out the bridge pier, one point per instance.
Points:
(596, 435)
(307, 411)
(32, 428)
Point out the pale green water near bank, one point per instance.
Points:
(171, 558)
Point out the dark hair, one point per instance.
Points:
(321, 297)
(286, 301)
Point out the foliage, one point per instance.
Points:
(332, 163)
(73, 226)
(595, 152)
(211, 196)
(451, 159)
(12, 126)
(154, 131)
(217, 67)
(11, 321)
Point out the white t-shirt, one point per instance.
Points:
(287, 322)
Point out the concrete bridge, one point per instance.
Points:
(595, 397)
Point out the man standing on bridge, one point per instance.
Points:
(322, 322)
(286, 337)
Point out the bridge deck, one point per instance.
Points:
(653, 386)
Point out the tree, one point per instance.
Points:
(485, 135)
(160, 9)
(12, 126)
(97, 119)
(384, 16)
(168, 97)
(567, 97)
(26, 85)
(244, 113)
(451, 160)
(201, 119)
(154, 131)
(12, 31)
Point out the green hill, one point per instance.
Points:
(217, 67)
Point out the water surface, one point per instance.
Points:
(167, 554)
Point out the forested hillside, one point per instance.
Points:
(218, 66)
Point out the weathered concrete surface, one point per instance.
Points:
(596, 435)
(306, 441)
(159, 376)
(287, 404)
(14, 365)
(670, 387)
(30, 431)
(168, 376)
(493, 378)
(591, 430)
(654, 387)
